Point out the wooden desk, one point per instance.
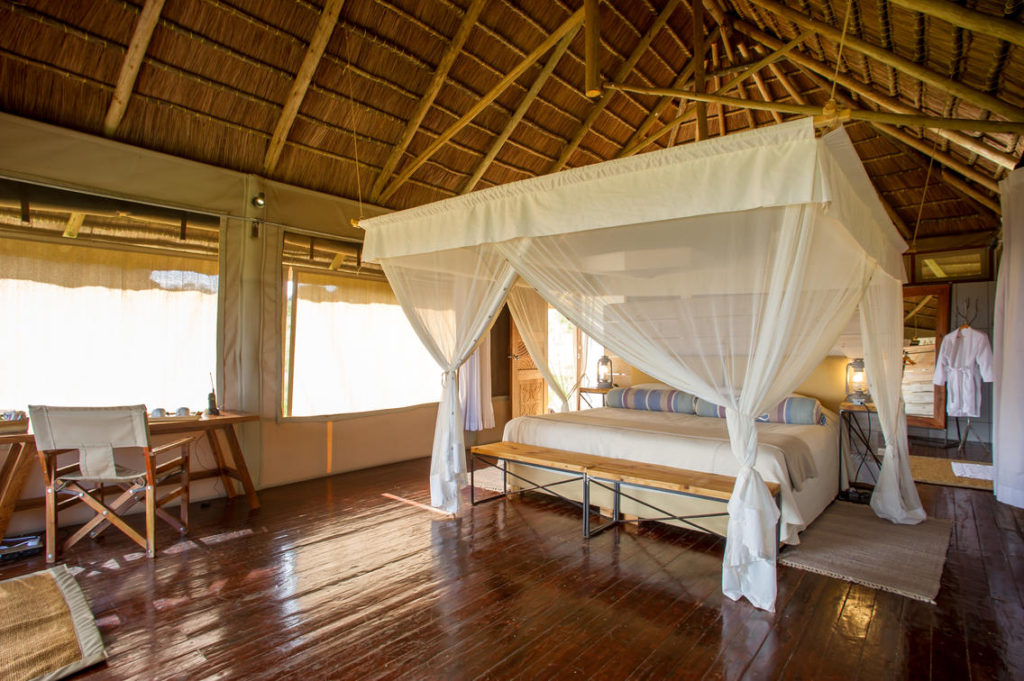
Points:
(230, 462)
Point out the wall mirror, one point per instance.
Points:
(925, 322)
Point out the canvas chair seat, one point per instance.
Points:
(97, 435)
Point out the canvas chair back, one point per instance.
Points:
(94, 431)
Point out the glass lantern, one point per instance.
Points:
(856, 382)
(604, 372)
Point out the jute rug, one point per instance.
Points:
(848, 541)
(932, 470)
(46, 628)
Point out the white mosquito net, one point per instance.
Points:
(726, 268)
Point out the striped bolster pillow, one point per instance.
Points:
(675, 401)
(795, 409)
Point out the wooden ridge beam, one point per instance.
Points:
(149, 16)
(570, 24)
(977, 22)
(437, 81)
(980, 99)
(324, 29)
(524, 105)
(622, 72)
(822, 73)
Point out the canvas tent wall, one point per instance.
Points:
(726, 268)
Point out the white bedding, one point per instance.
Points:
(802, 459)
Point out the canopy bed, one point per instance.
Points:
(725, 268)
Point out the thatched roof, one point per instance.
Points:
(219, 80)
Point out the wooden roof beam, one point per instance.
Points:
(570, 24)
(961, 187)
(655, 113)
(606, 97)
(940, 156)
(774, 56)
(524, 105)
(821, 73)
(741, 89)
(972, 20)
(137, 46)
(980, 99)
(322, 34)
(698, 69)
(759, 82)
(437, 81)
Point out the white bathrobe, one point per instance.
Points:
(965, 359)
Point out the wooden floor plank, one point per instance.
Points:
(332, 580)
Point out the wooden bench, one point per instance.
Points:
(610, 474)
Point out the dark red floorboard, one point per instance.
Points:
(332, 580)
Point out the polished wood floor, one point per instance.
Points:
(333, 580)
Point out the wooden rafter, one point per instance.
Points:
(961, 187)
(75, 221)
(774, 56)
(698, 70)
(766, 94)
(524, 105)
(592, 48)
(136, 52)
(843, 114)
(622, 72)
(940, 156)
(324, 29)
(819, 72)
(972, 20)
(469, 20)
(570, 24)
(655, 113)
(925, 75)
(741, 88)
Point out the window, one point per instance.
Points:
(572, 358)
(94, 326)
(348, 345)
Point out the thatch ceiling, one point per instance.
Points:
(225, 82)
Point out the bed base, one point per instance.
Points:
(608, 474)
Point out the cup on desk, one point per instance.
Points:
(158, 413)
(182, 411)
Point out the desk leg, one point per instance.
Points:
(218, 456)
(15, 472)
(240, 468)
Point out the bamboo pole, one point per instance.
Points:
(324, 29)
(942, 157)
(822, 117)
(569, 24)
(698, 71)
(971, 193)
(137, 46)
(634, 147)
(623, 72)
(437, 81)
(524, 105)
(592, 47)
(814, 68)
(759, 82)
(926, 75)
(978, 22)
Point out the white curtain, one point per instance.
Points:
(742, 334)
(530, 313)
(881, 318)
(475, 388)
(1008, 426)
(450, 298)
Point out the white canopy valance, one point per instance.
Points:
(725, 268)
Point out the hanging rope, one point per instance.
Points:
(924, 193)
(355, 141)
(831, 109)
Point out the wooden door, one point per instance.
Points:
(528, 389)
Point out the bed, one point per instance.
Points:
(801, 457)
